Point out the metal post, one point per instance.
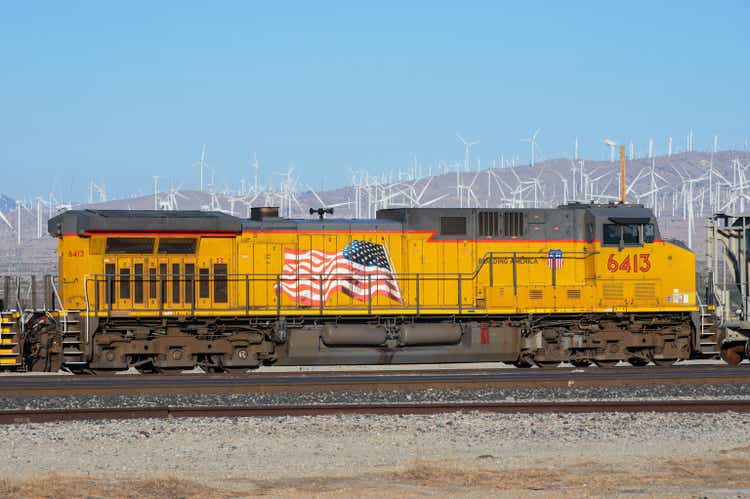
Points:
(278, 295)
(417, 293)
(162, 290)
(192, 292)
(320, 291)
(369, 295)
(492, 270)
(96, 294)
(111, 294)
(460, 298)
(743, 259)
(33, 292)
(6, 292)
(247, 294)
(515, 276)
(53, 295)
(46, 289)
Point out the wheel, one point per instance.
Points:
(732, 354)
(606, 364)
(522, 364)
(637, 361)
(547, 364)
(580, 363)
(664, 362)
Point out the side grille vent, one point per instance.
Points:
(536, 294)
(644, 291)
(574, 294)
(612, 291)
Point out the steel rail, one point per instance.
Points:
(160, 412)
(56, 386)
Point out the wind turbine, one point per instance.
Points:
(325, 205)
(467, 146)
(201, 164)
(156, 192)
(611, 144)
(256, 170)
(532, 142)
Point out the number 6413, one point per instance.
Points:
(630, 263)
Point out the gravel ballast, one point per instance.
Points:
(480, 454)
(570, 393)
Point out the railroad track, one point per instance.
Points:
(38, 386)
(49, 415)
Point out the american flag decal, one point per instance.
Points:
(361, 270)
(555, 259)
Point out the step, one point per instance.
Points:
(71, 352)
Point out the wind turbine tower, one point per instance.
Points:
(202, 166)
(156, 192)
(256, 169)
(467, 147)
(611, 144)
(532, 142)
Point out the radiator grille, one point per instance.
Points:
(613, 291)
(574, 294)
(536, 294)
(644, 291)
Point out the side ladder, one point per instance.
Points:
(71, 339)
(10, 348)
(708, 339)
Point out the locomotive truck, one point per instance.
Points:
(171, 290)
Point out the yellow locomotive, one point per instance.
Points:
(172, 290)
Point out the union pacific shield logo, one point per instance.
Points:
(555, 259)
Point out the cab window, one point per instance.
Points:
(648, 233)
(627, 234)
(611, 235)
(631, 234)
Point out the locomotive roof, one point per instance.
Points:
(83, 221)
(102, 221)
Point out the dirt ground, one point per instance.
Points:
(723, 475)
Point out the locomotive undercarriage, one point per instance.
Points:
(606, 340)
(238, 344)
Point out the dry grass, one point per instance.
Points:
(484, 477)
(55, 486)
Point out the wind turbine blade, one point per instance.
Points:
(322, 204)
(2, 217)
(435, 200)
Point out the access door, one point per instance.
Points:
(267, 270)
(217, 280)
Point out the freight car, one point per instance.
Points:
(161, 290)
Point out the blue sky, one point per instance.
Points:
(121, 92)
